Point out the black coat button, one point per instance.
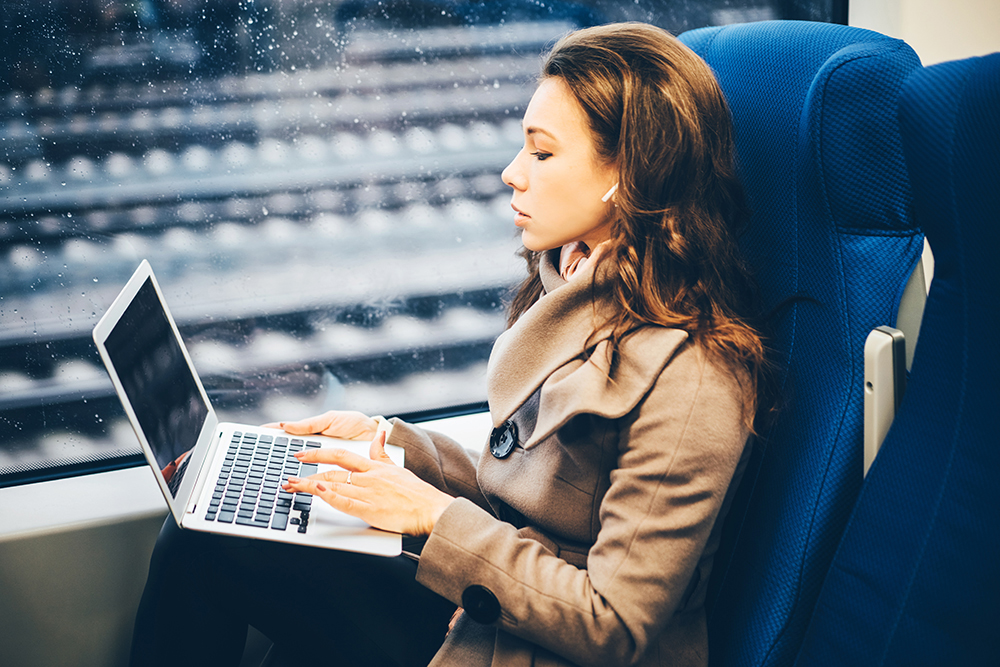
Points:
(480, 604)
(503, 439)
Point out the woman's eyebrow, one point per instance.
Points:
(531, 129)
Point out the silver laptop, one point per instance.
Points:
(217, 477)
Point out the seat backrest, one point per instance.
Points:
(818, 145)
(915, 580)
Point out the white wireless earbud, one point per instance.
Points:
(610, 193)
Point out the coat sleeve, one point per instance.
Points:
(677, 454)
(439, 461)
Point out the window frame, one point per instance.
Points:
(53, 469)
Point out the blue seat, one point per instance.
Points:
(916, 578)
(818, 145)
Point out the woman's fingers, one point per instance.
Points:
(319, 486)
(310, 425)
(338, 477)
(335, 456)
(347, 498)
(377, 450)
(349, 425)
(386, 496)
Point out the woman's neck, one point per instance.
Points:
(573, 256)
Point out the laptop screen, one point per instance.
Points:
(158, 382)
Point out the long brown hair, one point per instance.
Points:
(658, 114)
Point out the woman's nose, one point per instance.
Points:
(512, 175)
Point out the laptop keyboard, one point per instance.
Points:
(248, 491)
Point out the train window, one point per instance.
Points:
(316, 184)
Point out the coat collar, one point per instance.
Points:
(547, 346)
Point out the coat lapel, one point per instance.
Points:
(585, 386)
(549, 334)
(546, 348)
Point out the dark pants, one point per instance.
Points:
(328, 607)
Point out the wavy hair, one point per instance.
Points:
(658, 115)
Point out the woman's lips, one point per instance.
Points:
(520, 217)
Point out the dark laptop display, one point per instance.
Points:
(158, 382)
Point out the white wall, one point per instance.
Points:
(938, 30)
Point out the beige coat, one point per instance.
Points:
(592, 541)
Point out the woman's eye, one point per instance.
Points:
(541, 156)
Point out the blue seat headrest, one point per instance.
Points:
(820, 156)
(814, 109)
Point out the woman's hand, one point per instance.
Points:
(335, 423)
(375, 490)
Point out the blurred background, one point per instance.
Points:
(316, 185)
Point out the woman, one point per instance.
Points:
(622, 396)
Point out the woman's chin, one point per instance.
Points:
(535, 244)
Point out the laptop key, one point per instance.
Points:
(250, 521)
(280, 522)
(226, 516)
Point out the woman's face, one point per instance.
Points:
(557, 177)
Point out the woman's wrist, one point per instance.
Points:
(437, 508)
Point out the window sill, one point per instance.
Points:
(76, 503)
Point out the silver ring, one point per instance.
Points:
(349, 473)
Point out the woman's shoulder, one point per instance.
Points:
(694, 369)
